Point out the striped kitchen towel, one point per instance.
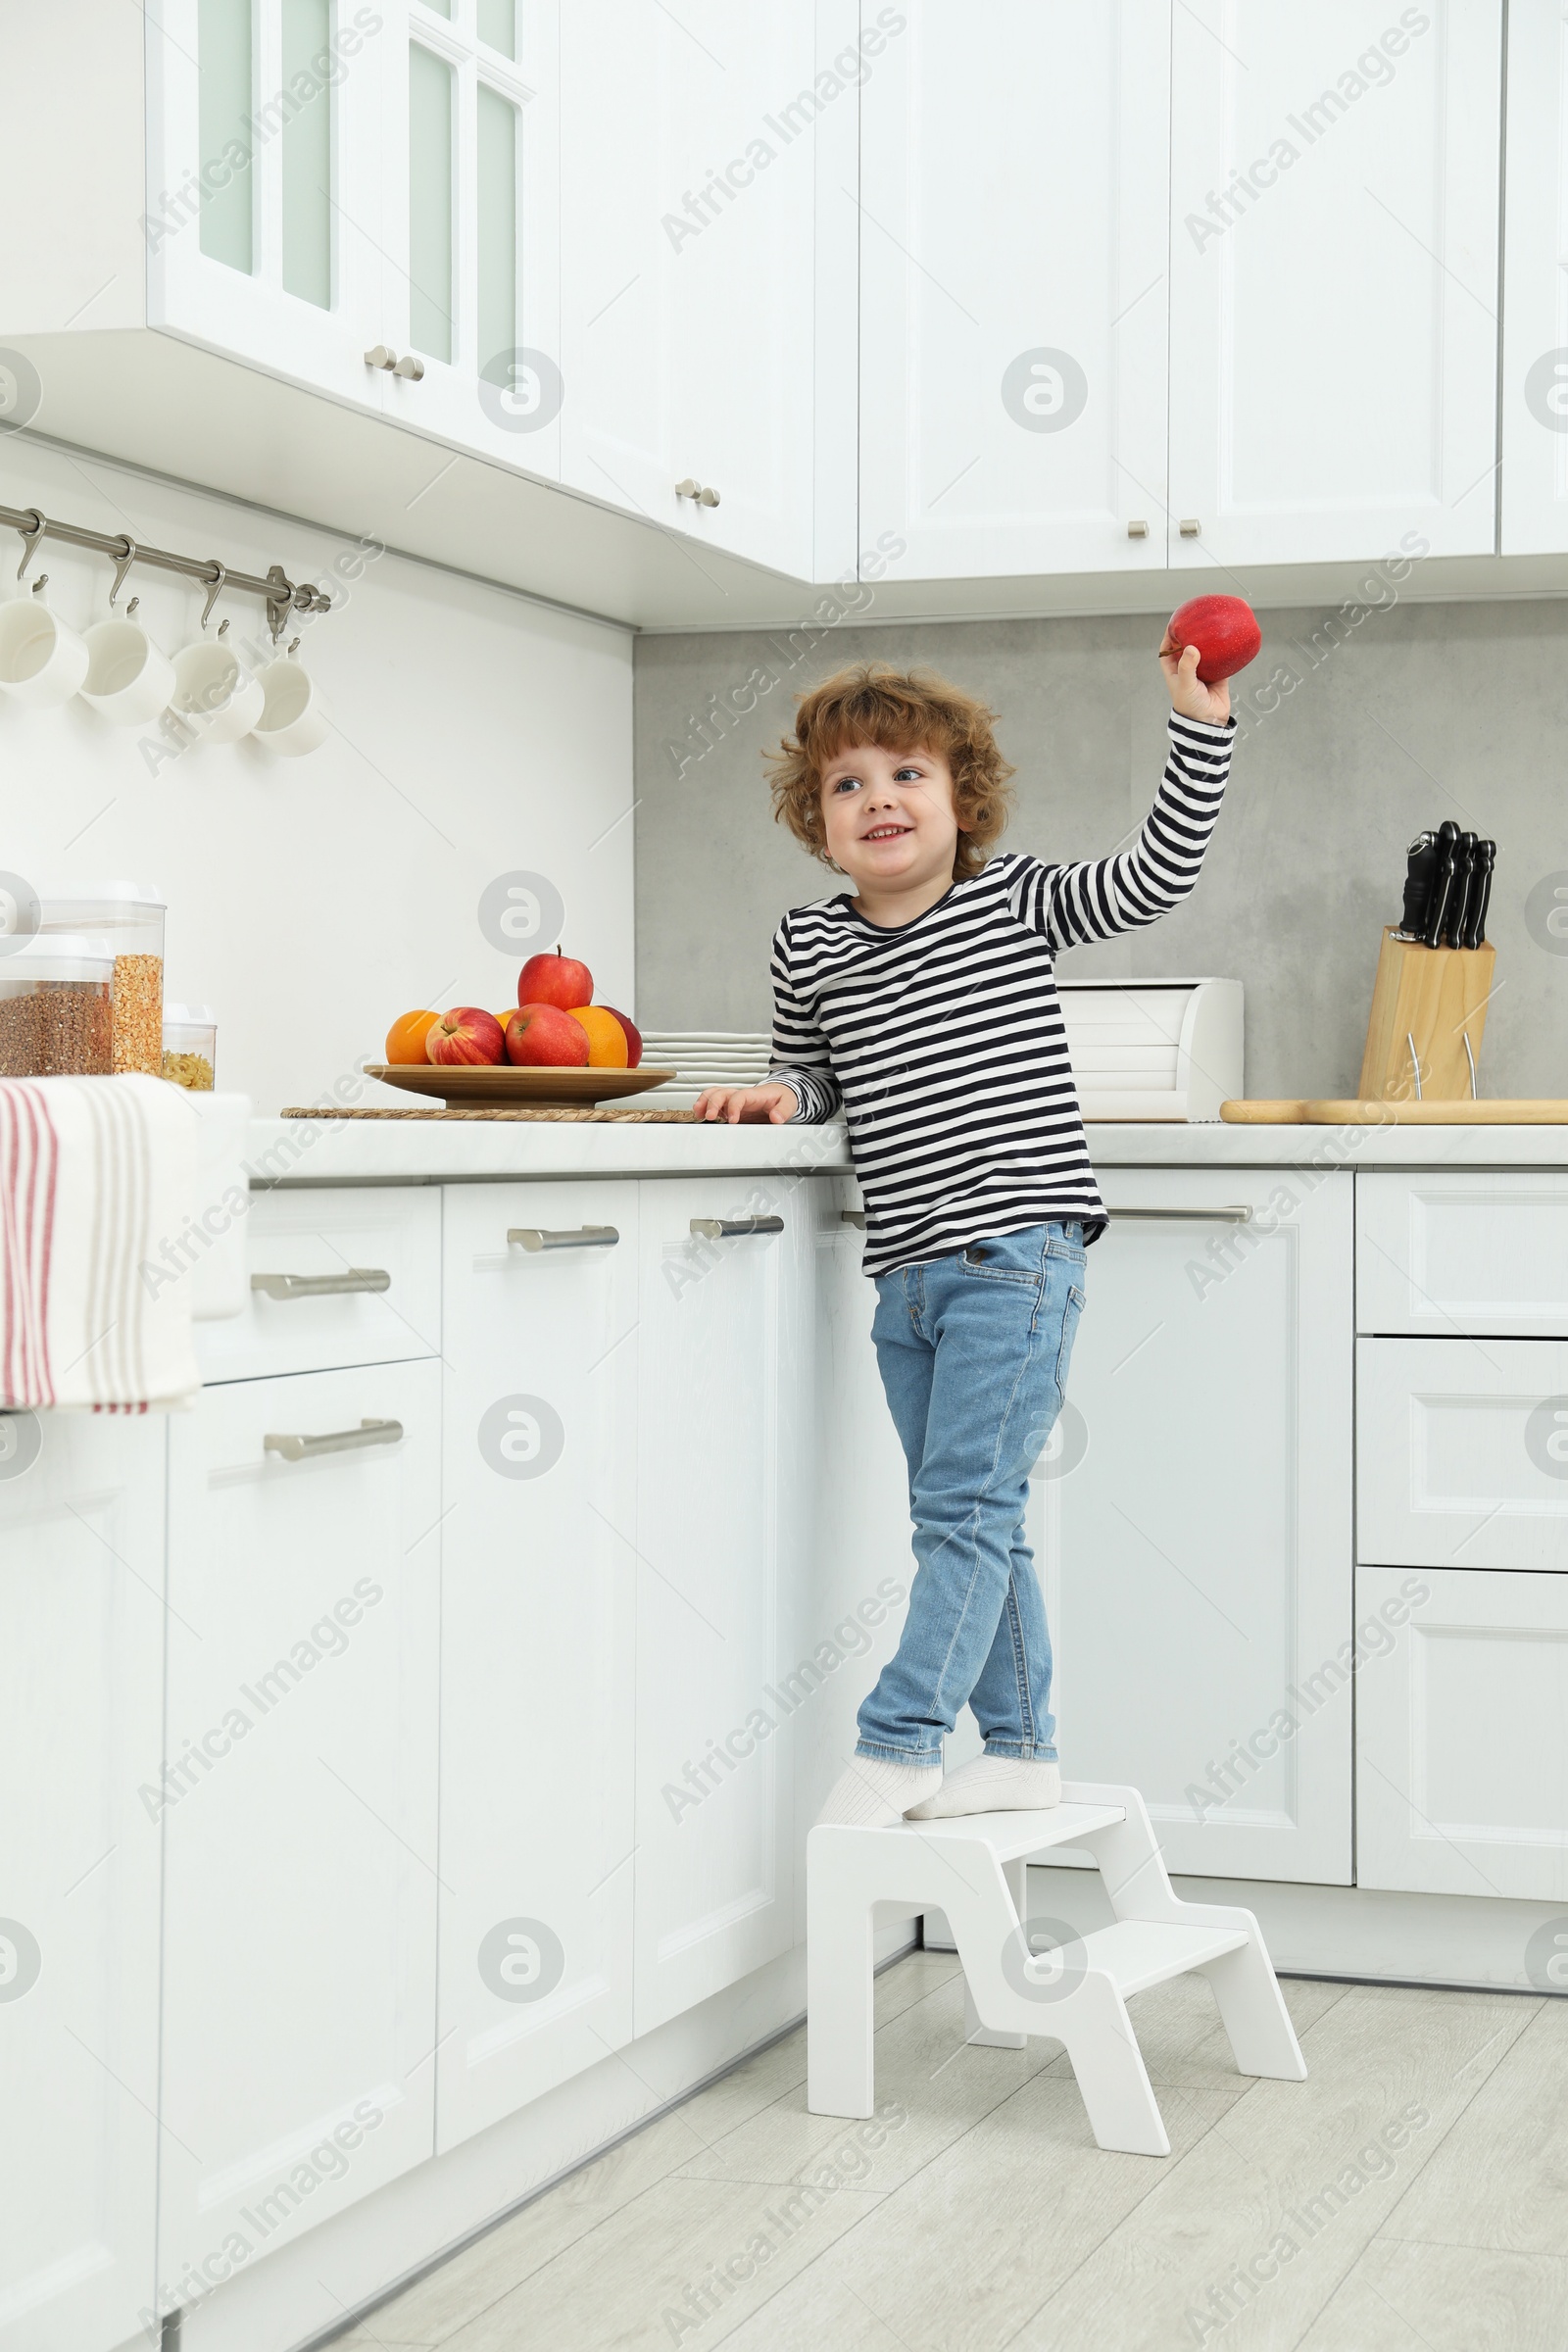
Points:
(96, 1177)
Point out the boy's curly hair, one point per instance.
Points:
(899, 711)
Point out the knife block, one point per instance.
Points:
(1436, 999)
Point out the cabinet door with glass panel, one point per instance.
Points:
(265, 236)
(361, 199)
(468, 207)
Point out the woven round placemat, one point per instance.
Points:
(534, 1112)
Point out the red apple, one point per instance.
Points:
(1224, 630)
(634, 1042)
(541, 1037)
(466, 1034)
(554, 980)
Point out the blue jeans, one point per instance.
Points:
(973, 1351)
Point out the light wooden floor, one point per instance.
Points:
(988, 2218)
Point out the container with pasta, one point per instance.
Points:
(191, 1047)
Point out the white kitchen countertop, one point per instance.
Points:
(296, 1151)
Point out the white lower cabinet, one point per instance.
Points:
(81, 1563)
(1463, 1454)
(857, 1568)
(723, 1462)
(1193, 1518)
(539, 1595)
(1462, 1741)
(300, 1821)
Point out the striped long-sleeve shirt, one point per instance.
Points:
(942, 1038)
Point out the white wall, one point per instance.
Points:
(311, 900)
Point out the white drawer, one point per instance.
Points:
(1461, 1710)
(1452, 1255)
(332, 1236)
(1463, 1454)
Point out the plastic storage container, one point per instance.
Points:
(191, 1047)
(127, 918)
(56, 1008)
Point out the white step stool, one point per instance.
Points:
(973, 1868)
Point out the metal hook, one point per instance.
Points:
(123, 563)
(294, 647)
(43, 582)
(130, 608)
(222, 632)
(30, 539)
(219, 575)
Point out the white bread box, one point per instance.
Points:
(1153, 1049)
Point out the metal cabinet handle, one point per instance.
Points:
(1233, 1215)
(719, 1228)
(853, 1216)
(1190, 526)
(378, 355)
(294, 1448)
(323, 1285)
(410, 368)
(1138, 530)
(700, 494)
(578, 1237)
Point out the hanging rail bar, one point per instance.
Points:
(282, 595)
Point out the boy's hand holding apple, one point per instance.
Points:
(1188, 693)
(751, 1104)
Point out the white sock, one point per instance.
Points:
(872, 1793)
(995, 1784)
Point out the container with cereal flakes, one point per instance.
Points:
(127, 918)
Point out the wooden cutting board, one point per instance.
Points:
(1519, 1111)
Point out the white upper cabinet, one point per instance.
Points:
(378, 180)
(272, 113)
(693, 142)
(468, 224)
(1534, 335)
(1014, 287)
(1334, 279)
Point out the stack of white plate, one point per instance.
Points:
(704, 1057)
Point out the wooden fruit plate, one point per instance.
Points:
(467, 1086)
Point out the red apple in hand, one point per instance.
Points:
(541, 1037)
(466, 1034)
(555, 979)
(1224, 630)
(634, 1042)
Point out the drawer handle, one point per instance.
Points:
(574, 1237)
(853, 1216)
(295, 1448)
(323, 1285)
(1233, 1215)
(720, 1229)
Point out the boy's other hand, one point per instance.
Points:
(755, 1104)
(1188, 693)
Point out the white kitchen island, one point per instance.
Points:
(396, 1822)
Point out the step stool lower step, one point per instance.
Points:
(1073, 1992)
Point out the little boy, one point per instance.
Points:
(925, 1004)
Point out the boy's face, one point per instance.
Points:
(888, 816)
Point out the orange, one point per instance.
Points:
(607, 1039)
(405, 1040)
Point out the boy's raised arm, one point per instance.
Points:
(1096, 898)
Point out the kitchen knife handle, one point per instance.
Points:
(1481, 895)
(1464, 883)
(1442, 879)
(1421, 860)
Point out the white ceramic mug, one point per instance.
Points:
(128, 680)
(212, 691)
(41, 660)
(293, 717)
